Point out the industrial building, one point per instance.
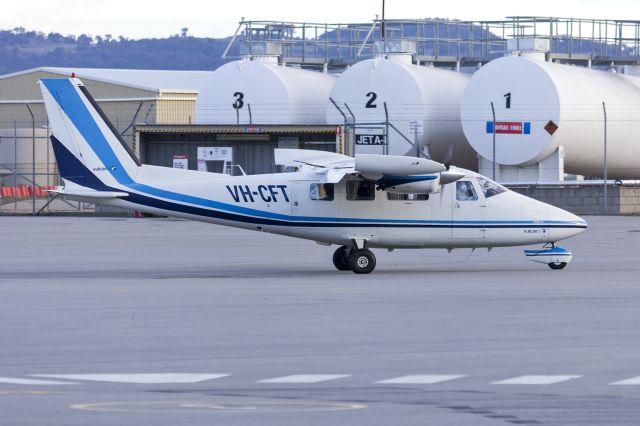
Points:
(232, 149)
(126, 96)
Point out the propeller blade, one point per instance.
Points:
(448, 157)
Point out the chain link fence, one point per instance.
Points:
(29, 172)
(603, 146)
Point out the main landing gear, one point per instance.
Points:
(360, 261)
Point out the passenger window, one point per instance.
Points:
(321, 191)
(490, 188)
(361, 190)
(465, 191)
(407, 197)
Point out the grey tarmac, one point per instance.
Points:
(160, 322)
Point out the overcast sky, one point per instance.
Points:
(211, 18)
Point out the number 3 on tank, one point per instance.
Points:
(507, 103)
(239, 103)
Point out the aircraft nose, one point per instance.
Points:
(568, 224)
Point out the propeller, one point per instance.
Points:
(448, 156)
(449, 176)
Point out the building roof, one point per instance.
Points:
(155, 80)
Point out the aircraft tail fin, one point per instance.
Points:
(89, 150)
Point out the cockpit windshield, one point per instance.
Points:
(490, 188)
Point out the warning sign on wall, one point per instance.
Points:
(180, 161)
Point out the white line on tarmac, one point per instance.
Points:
(631, 381)
(535, 380)
(147, 378)
(305, 378)
(14, 381)
(425, 379)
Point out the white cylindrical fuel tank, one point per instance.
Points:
(263, 92)
(427, 96)
(540, 106)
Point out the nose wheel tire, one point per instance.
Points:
(362, 261)
(557, 265)
(340, 259)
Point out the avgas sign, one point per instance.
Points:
(510, 127)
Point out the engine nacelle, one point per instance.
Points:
(419, 184)
(420, 187)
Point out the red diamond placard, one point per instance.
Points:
(551, 127)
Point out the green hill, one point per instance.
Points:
(21, 49)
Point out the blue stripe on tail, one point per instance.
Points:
(65, 93)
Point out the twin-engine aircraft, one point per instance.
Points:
(370, 201)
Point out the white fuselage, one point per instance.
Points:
(281, 204)
(332, 199)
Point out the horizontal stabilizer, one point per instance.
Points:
(396, 165)
(88, 193)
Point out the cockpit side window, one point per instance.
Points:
(490, 188)
(361, 190)
(465, 191)
(321, 191)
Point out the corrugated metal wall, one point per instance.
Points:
(253, 152)
(255, 157)
(175, 107)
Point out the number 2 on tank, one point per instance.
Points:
(372, 99)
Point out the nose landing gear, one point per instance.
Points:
(360, 261)
(554, 256)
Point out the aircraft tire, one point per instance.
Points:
(362, 261)
(340, 259)
(557, 265)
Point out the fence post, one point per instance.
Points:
(353, 130)
(386, 119)
(15, 161)
(347, 148)
(33, 161)
(606, 200)
(493, 165)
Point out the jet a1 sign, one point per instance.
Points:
(370, 136)
(510, 127)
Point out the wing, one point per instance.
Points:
(328, 166)
(335, 166)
